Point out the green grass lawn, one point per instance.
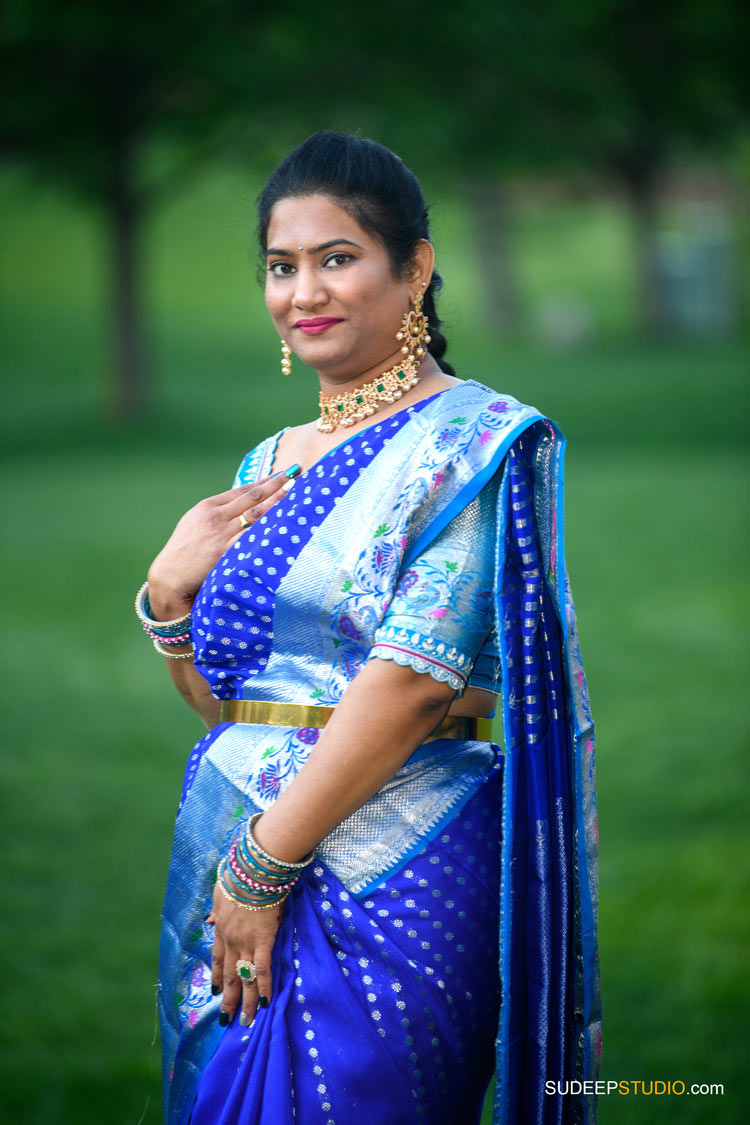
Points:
(95, 739)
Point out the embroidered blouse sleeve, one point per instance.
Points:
(442, 614)
(258, 462)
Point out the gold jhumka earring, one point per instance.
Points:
(286, 363)
(414, 332)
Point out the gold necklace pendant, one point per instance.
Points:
(354, 406)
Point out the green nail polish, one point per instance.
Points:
(262, 1001)
(223, 1019)
(292, 471)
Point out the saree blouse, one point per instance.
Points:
(441, 618)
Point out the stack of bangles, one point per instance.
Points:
(166, 635)
(253, 879)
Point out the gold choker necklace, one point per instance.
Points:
(352, 407)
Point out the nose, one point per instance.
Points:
(309, 287)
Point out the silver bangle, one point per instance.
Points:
(253, 845)
(140, 608)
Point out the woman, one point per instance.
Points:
(350, 844)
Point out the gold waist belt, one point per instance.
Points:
(300, 715)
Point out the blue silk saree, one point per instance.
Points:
(446, 931)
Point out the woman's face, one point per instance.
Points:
(330, 289)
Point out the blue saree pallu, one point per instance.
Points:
(446, 931)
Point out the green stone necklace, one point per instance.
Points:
(352, 407)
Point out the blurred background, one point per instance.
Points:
(587, 165)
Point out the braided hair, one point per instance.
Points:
(375, 187)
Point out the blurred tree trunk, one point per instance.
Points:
(641, 187)
(489, 206)
(124, 217)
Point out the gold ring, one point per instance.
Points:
(243, 522)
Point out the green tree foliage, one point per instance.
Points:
(91, 90)
(478, 92)
(614, 87)
(639, 83)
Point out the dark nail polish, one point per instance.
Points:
(223, 1018)
(215, 989)
(262, 1001)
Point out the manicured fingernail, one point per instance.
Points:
(292, 470)
(262, 1001)
(286, 487)
(223, 1018)
(244, 1019)
(215, 989)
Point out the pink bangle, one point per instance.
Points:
(238, 902)
(176, 639)
(244, 878)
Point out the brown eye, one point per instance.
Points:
(337, 260)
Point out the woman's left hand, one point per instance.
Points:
(242, 935)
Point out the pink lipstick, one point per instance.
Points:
(317, 324)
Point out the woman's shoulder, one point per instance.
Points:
(469, 400)
(285, 446)
(469, 429)
(258, 462)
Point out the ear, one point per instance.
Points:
(424, 263)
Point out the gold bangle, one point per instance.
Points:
(174, 655)
(246, 905)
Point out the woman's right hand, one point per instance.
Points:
(200, 539)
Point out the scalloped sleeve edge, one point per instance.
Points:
(447, 667)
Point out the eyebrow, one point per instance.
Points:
(316, 249)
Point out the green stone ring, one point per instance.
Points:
(245, 971)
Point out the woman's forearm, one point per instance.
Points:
(384, 715)
(191, 685)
